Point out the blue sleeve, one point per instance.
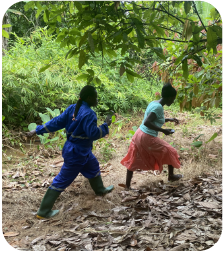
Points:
(55, 124)
(90, 127)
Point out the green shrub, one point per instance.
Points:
(26, 91)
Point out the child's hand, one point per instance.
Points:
(176, 121)
(108, 120)
(31, 133)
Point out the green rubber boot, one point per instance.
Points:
(47, 203)
(97, 185)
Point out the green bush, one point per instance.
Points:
(26, 91)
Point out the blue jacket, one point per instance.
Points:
(80, 133)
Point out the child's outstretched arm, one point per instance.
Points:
(55, 124)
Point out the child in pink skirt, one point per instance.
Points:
(147, 151)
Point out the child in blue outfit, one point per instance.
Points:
(80, 123)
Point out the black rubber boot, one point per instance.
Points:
(47, 203)
(97, 185)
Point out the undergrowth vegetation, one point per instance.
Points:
(26, 92)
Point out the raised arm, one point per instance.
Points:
(55, 124)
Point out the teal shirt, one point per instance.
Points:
(156, 108)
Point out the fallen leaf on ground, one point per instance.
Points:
(57, 162)
(104, 174)
(9, 234)
(211, 205)
(212, 156)
(37, 240)
(133, 242)
(16, 175)
(89, 247)
(122, 185)
(127, 199)
(84, 224)
(180, 247)
(55, 242)
(39, 248)
(187, 196)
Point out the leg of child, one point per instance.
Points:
(65, 177)
(171, 176)
(128, 178)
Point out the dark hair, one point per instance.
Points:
(168, 91)
(84, 94)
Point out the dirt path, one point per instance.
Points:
(157, 215)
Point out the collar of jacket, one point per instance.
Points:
(85, 103)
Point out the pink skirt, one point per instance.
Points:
(149, 153)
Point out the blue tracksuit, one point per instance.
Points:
(77, 151)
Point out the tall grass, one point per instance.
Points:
(27, 92)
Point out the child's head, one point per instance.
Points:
(87, 94)
(169, 93)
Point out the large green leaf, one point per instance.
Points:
(187, 31)
(78, 5)
(130, 77)
(6, 25)
(90, 71)
(91, 42)
(212, 137)
(32, 126)
(187, 6)
(44, 118)
(97, 81)
(122, 69)
(214, 13)
(133, 73)
(71, 7)
(218, 30)
(132, 132)
(141, 39)
(211, 40)
(56, 112)
(159, 52)
(82, 77)
(42, 69)
(5, 34)
(28, 5)
(46, 16)
(82, 58)
(83, 39)
(185, 69)
(54, 139)
(196, 58)
(111, 53)
(197, 143)
(173, 3)
(135, 8)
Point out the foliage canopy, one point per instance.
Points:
(109, 27)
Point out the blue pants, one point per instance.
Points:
(69, 172)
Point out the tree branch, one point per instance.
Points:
(166, 28)
(159, 38)
(156, 9)
(199, 16)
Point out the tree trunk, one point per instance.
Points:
(6, 20)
